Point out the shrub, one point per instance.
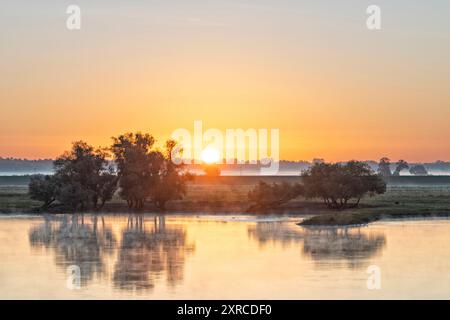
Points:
(266, 195)
(43, 188)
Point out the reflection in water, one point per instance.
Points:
(75, 243)
(145, 254)
(334, 244)
(138, 256)
(275, 232)
(353, 246)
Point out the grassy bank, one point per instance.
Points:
(229, 194)
(398, 202)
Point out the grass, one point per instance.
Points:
(397, 202)
(341, 219)
(229, 194)
(15, 199)
(204, 196)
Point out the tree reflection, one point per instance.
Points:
(331, 245)
(351, 245)
(267, 233)
(148, 251)
(75, 242)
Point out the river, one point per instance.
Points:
(220, 257)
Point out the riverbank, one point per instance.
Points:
(398, 202)
(229, 195)
(358, 218)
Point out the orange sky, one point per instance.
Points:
(333, 88)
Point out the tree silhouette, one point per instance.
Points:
(82, 178)
(138, 166)
(384, 167)
(401, 165)
(338, 184)
(418, 170)
(171, 184)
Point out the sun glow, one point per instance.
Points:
(210, 155)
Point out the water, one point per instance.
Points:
(218, 257)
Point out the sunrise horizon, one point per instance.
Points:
(334, 88)
(35, 151)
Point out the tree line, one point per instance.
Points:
(84, 177)
(384, 168)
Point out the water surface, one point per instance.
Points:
(218, 257)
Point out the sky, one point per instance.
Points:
(311, 69)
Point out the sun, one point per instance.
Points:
(210, 155)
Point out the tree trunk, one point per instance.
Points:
(161, 204)
(48, 203)
(356, 204)
(102, 204)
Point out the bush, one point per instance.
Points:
(266, 195)
(43, 188)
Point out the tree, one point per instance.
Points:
(43, 188)
(384, 167)
(401, 165)
(138, 167)
(266, 195)
(337, 184)
(418, 170)
(84, 177)
(172, 181)
(318, 160)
